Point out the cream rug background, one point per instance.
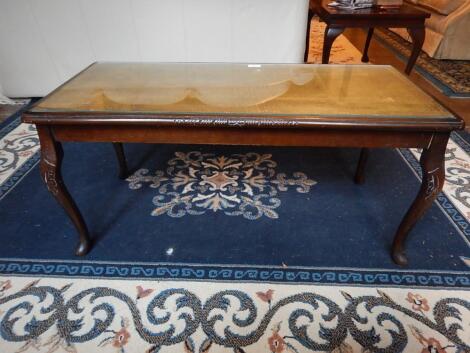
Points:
(49, 315)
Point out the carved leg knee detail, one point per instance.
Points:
(433, 177)
(51, 161)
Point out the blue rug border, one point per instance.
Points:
(10, 124)
(462, 139)
(430, 77)
(10, 183)
(240, 273)
(6, 127)
(15, 119)
(234, 273)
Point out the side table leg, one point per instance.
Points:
(365, 57)
(361, 166)
(121, 157)
(307, 40)
(417, 35)
(50, 165)
(432, 166)
(331, 33)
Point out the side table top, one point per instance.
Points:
(295, 94)
(405, 11)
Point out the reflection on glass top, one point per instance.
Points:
(245, 89)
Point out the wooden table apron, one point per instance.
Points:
(432, 139)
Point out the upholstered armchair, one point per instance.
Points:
(447, 30)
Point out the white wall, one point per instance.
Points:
(44, 42)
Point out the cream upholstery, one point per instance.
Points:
(447, 30)
(442, 7)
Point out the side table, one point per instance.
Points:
(337, 20)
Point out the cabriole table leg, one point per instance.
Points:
(331, 33)
(50, 168)
(121, 157)
(417, 35)
(432, 166)
(307, 39)
(365, 55)
(361, 166)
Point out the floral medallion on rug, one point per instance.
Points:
(231, 249)
(239, 185)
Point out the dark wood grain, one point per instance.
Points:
(365, 53)
(121, 157)
(417, 35)
(243, 136)
(359, 177)
(308, 37)
(433, 178)
(50, 169)
(405, 12)
(331, 33)
(444, 123)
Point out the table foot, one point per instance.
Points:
(432, 166)
(417, 35)
(359, 178)
(400, 258)
(331, 33)
(365, 56)
(121, 157)
(50, 169)
(83, 247)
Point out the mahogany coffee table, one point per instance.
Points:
(242, 104)
(337, 20)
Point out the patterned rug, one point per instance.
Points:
(452, 77)
(82, 315)
(289, 256)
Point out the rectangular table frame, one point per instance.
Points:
(432, 140)
(430, 134)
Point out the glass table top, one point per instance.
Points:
(243, 89)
